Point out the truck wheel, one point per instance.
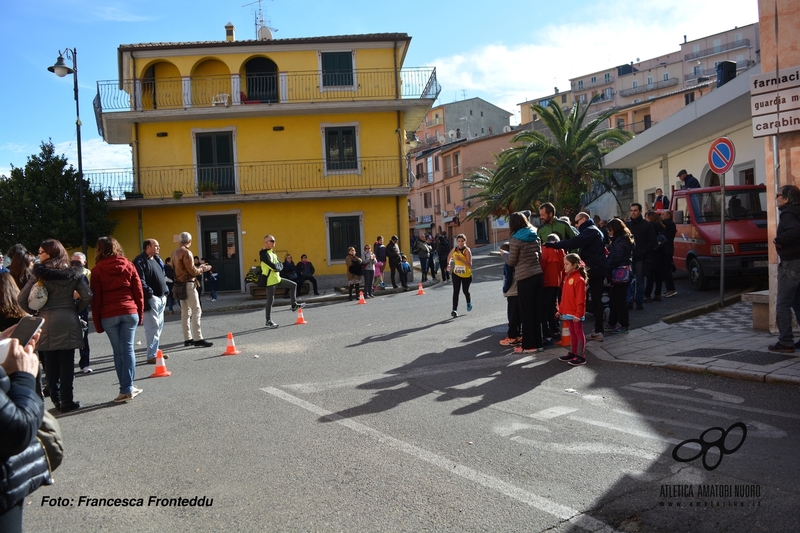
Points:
(699, 280)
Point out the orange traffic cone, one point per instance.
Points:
(300, 318)
(420, 291)
(565, 341)
(231, 348)
(361, 300)
(161, 369)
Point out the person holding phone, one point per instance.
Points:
(62, 333)
(25, 466)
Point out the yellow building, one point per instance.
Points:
(302, 138)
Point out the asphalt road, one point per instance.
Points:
(391, 416)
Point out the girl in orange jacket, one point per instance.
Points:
(573, 308)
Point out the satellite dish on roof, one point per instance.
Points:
(506, 129)
(264, 34)
(451, 134)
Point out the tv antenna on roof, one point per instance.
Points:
(263, 32)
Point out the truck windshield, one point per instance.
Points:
(740, 205)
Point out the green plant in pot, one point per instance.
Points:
(177, 194)
(207, 188)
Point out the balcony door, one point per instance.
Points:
(261, 75)
(221, 249)
(215, 168)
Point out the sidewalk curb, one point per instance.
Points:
(705, 308)
(733, 373)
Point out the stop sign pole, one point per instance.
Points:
(721, 156)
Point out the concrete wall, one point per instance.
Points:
(786, 48)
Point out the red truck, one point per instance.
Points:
(696, 213)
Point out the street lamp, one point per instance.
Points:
(61, 69)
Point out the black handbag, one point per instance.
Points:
(262, 280)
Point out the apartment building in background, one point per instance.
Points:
(302, 138)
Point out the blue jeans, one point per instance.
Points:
(788, 298)
(121, 331)
(153, 324)
(638, 274)
(423, 265)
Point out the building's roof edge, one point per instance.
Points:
(722, 108)
(366, 37)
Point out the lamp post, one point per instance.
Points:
(61, 69)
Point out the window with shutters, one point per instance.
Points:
(337, 69)
(341, 148)
(343, 232)
(214, 154)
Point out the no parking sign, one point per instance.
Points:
(721, 155)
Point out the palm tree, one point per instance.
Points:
(568, 155)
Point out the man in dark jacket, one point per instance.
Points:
(393, 255)
(669, 251)
(154, 284)
(305, 272)
(593, 254)
(787, 243)
(443, 250)
(644, 240)
(689, 181)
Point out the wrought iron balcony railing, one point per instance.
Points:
(744, 43)
(286, 87)
(248, 178)
(649, 87)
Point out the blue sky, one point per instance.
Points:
(505, 52)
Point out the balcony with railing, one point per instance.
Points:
(239, 179)
(284, 88)
(436, 121)
(744, 43)
(712, 72)
(647, 87)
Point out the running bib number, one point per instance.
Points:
(460, 270)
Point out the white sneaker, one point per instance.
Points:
(670, 294)
(136, 392)
(87, 370)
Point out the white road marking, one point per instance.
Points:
(553, 412)
(712, 402)
(636, 432)
(541, 503)
(513, 427)
(381, 379)
(762, 430)
(720, 396)
(590, 448)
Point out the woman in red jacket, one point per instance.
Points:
(117, 308)
(573, 308)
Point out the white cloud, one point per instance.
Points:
(116, 14)
(97, 155)
(613, 35)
